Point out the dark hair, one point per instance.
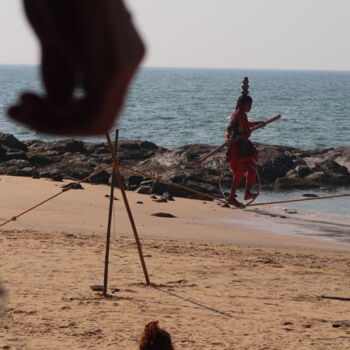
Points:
(155, 338)
(243, 100)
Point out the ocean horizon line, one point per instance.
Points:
(317, 70)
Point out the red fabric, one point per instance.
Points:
(237, 164)
(243, 169)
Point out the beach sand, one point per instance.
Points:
(221, 278)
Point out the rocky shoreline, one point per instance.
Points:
(280, 167)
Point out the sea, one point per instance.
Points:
(176, 106)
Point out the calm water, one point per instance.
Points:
(177, 106)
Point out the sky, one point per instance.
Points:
(257, 34)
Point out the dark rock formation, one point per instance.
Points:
(279, 167)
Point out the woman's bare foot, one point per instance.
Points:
(234, 201)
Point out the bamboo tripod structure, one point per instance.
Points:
(117, 176)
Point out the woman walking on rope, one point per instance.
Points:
(242, 155)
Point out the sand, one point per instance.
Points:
(221, 278)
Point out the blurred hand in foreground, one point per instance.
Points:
(90, 51)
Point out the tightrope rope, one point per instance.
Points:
(172, 184)
(14, 218)
(300, 200)
(222, 200)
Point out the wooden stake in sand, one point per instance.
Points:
(108, 236)
(126, 203)
(132, 222)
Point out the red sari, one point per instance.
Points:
(242, 152)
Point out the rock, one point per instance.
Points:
(341, 155)
(274, 162)
(144, 190)
(42, 158)
(163, 215)
(46, 174)
(146, 145)
(15, 154)
(338, 324)
(134, 181)
(159, 187)
(2, 153)
(52, 174)
(160, 200)
(35, 175)
(168, 196)
(322, 320)
(97, 288)
(146, 183)
(96, 148)
(12, 142)
(280, 167)
(114, 197)
(66, 146)
(27, 171)
(333, 167)
(101, 178)
(303, 170)
(298, 161)
(309, 195)
(77, 171)
(317, 178)
(201, 187)
(57, 177)
(136, 150)
(17, 167)
(73, 186)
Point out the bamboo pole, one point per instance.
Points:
(217, 149)
(132, 222)
(108, 235)
(127, 206)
